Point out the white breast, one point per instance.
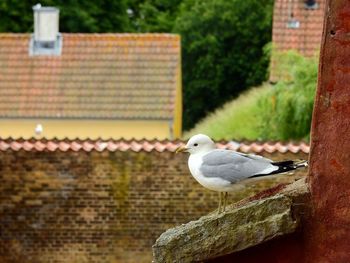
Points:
(212, 183)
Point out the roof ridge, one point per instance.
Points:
(119, 35)
(137, 145)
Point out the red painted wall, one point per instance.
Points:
(287, 249)
(328, 230)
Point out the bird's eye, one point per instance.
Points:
(196, 144)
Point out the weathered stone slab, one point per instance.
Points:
(214, 235)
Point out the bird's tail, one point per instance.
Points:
(301, 164)
(285, 166)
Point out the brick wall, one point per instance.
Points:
(98, 206)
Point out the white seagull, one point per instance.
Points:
(219, 170)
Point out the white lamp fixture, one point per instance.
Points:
(39, 129)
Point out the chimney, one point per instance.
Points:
(46, 39)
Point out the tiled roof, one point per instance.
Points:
(307, 38)
(109, 76)
(142, 145)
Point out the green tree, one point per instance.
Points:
(286, 111)
(223, 54)
(75, 15)
(153, 15)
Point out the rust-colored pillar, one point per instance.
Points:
(327, 234)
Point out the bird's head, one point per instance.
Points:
(197, 144)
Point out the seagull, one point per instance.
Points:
(220, 170)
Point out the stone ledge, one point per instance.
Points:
(238, 228)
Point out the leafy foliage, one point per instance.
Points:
(153, 15)
(270, 112)
(287, 109)
(75, 15)
(94, 16)
(222, 51)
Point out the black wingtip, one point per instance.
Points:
(285, 166)
(283, 163)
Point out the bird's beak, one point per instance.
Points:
(181, 149)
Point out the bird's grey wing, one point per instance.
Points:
(255, 157)
(232, 166)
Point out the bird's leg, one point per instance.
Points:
(225, 200)
(220, 203)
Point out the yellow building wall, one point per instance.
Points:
(177, 124)
(82, 129)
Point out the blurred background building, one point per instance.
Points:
(89, 85)
(297, 25)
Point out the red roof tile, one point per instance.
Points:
(110, 76)
(142, 145)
